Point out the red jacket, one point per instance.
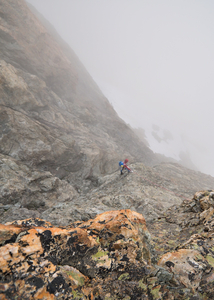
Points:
(125, 166)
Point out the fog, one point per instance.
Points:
(153, 60)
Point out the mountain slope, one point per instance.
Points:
(55, 116)
(60, 142)
(26, 193)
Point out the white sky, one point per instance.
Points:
(153, 60)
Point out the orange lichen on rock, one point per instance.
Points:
(8, 232)
(32, 242)
(42, 294)
(107, 219)
(83, 237)
(108, 255)
(128, 223)
(7, 253)
(49, 262)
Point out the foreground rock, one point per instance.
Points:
(39, 261)
(109, 257)
(187, 232)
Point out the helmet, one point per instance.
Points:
(126, 160)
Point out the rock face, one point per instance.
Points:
(149, 191)
(27, 192)
(52, 114)
(109, 257)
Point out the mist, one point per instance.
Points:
(153, 60)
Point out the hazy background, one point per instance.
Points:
(154, 62)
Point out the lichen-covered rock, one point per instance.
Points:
(186, 266)
(108, 257)
(8, 234)
(190, 240)
(39, 261)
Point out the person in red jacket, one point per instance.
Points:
(125, 167)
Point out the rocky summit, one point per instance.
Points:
(73, 227)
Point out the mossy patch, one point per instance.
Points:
(151, 281)
(79, 279)
(142, 285)
(171, 242)
(99, 254)
(124, 276)
(77, 295)
(210, 260)
(198, 257)
(74, 275)
(155, 291)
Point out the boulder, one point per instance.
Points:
(45, 262)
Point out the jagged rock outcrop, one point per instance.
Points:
(27, 193)
(182, 224)
(110, 257)
(52, 114)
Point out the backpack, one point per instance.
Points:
(120, 163)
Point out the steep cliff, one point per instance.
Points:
(53, 115)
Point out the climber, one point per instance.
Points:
(123, 166)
